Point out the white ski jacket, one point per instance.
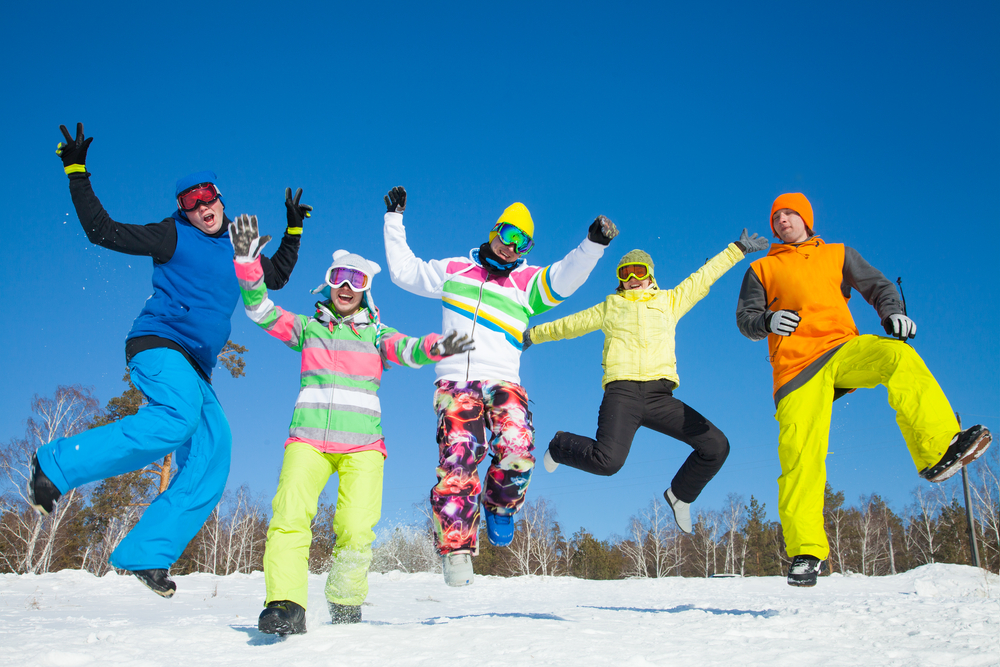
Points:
(493, 310)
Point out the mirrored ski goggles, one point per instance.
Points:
(638, 271)
(193, 197)
(511, 235)
(356, 279)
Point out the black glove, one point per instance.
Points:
(395, 201)
(452, 343)
(752, 243)
(296, 212)
(247, 241)
(526, 340)
(74, 151)
(602, 230)
(782, 322)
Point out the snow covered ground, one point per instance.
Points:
(934, 615)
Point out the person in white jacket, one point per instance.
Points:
(489, 295)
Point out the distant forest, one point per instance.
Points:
(867, 538)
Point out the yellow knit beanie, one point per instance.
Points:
(517, 214)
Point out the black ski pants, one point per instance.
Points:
(627, 405)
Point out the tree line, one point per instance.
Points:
(866, 538)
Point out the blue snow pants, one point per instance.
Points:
(183, 416)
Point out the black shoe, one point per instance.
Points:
(804, 570)
(965, 448)
(42, 493)
(157, 580)
(341, 614)
(282, 617)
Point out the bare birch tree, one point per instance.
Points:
(34, 537)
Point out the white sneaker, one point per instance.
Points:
(682, 511)
(457, 567)
(550, 463)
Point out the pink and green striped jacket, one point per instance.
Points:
(337, 410)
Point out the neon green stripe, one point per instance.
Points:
(293, 230)
(75, 169)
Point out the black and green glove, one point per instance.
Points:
(296, 212)
(74, 151)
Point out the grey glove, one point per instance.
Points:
(526, 340)
(783, 322)
(452, 343)
(752, 243)
(395, 201)
(602, 230)
(247, 241)
(900, 326)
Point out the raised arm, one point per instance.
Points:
(406, 269)
(157, 240)
(278, 268)
(554, 283)
(275, 320)
(696, 286)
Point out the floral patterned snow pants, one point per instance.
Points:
(465, 412)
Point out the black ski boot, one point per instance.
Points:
(342, 614)
(804, 570)
(965, 448)
(157, 580)
(42, 493)
(282, 617)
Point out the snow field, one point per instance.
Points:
(933, 615)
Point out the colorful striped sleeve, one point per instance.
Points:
(554, 283)
(275, 320)
(407, 350)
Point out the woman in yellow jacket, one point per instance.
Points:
(640, 374)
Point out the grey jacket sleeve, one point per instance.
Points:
(751, 309)
(871, 284)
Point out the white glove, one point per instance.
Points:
(900, 326)
(783, 322)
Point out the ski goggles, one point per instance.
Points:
(511, 235)
(356, 279)
(195, 196)
(639, 271)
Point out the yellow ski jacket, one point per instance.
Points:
(639, 325)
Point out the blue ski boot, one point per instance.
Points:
(499, 528)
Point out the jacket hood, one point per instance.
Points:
(780, 248)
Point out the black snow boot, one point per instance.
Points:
(341, 614)
(42, 493)
(804, 570)
(965, 448)
(282, 617)
(157, 580)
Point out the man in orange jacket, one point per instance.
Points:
(797, 297)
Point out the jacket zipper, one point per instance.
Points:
(475, 318)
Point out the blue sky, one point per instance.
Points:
(679, 121)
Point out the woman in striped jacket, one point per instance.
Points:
(335, 428)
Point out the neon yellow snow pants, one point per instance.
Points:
(304, 472)
(923, 413)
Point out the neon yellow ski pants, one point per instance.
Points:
(924, 415)
(304, 472)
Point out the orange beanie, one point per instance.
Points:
(798, 203)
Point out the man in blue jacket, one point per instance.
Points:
(171, 350)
